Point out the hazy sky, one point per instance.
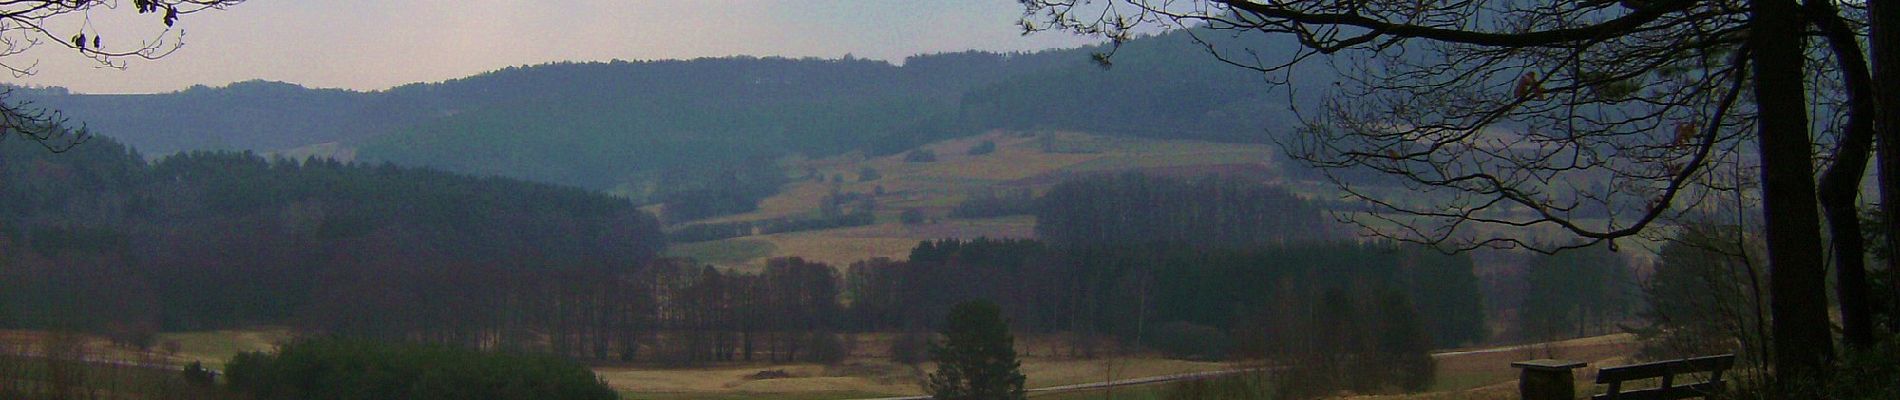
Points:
(375, 44)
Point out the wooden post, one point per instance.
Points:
(1546, 379)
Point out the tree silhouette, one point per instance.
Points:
(977, 359)
(1596, 119)
(27, 24)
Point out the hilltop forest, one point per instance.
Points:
(694, 131)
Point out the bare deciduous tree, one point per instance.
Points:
(1593, 119)
(29, 24)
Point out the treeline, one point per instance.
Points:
(343, 369)
(687, 194)
(1185, 93)
(992, 203)
(59, 366)
(1209, 211)
(1581, 292)
(837, 210)
(1260, 301)
(99, 240)
(1122, 290)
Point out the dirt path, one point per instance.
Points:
(1109, 384)
(1214, 374)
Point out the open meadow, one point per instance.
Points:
(1481, 373)
(1032, 161)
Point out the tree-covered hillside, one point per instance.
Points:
(1162, 87)
(254, 115)
(625, 126)
(97, 239)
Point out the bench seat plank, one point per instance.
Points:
(1662, 368)
(1703, 389)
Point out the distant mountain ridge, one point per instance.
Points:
(619, 125)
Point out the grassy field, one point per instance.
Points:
(723, 252)
(863, 377)
(1470, 374)
(1474, 375)
(213, 348)
(935, 187)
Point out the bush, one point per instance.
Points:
(198, 376)
(868, 174)
(920, 156)
(1868, 373)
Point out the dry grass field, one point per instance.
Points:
(212, 348)
(1483, 374)
(1019, 162)
(868, 374)
(864, 378)
(1462, 374)
(215, 347)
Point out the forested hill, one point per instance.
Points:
(621, 125)
(219, 239)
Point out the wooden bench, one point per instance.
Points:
(1667, 370)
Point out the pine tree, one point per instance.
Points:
(977, 359)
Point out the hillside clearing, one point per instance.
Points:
(1033, 161)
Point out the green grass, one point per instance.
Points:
(753, 396)
(723, 252)
(1139, 392)
(32, 375)
(1162, 160)
(1447, 381)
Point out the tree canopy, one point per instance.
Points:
(977, 358)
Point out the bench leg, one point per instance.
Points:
(1536, 384)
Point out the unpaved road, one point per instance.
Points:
(1212, 374)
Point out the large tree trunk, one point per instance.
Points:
(1840, 185)
(1885, 45)
(1797, 283)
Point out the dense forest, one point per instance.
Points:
(691, 132)
(343, 369)
(392, 253)
(1130, 209)
(216, 240)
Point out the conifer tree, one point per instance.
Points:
(977, 358)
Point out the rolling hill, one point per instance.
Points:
(618, 126)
